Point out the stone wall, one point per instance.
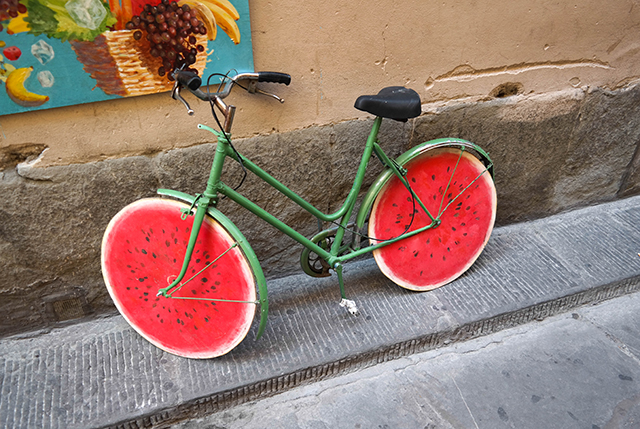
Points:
(552, 152)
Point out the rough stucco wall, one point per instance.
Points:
(335, 51)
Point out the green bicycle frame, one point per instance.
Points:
(209, 199)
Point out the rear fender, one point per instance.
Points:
(384, 177)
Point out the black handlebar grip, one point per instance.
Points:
(274, 77)
(188, 79)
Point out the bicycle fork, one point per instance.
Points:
(202, 204)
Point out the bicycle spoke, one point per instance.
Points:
(170, 295)
(444, 195)
(467, 187)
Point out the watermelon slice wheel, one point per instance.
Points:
(459, 193)
(211, 311)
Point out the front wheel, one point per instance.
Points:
(143, 250)
(458, 191)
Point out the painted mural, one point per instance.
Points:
(63, 52)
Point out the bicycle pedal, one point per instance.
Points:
(350, 306)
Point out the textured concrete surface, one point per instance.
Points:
(101, 373)
(577, 370)
(552, 152)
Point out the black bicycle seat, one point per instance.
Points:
(394, 102)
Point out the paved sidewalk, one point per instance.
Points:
(577, 370)
(102, 374)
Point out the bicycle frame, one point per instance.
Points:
(209, 199)
(215, 187)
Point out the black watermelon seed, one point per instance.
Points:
(147, 238)
(144, 251)
(394, 205)
(141, 280)
(154, 255)
(433, 177)
(204, 280)
(413, 179)
(444, 258)
(197, 261)
(146, 294)
(453, 228)
(217, 283)
(168, 243)
(415, 254)
(193, 291)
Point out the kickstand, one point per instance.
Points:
(350, 305)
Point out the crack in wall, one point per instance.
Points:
(466, 73)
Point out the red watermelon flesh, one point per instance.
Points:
(143, 250)
(439, 255)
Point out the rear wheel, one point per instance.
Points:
(143, 250)
(458, 190)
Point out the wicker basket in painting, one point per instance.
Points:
(124, 66)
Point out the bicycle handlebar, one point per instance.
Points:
(191, 81)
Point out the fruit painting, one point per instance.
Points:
(57, 53)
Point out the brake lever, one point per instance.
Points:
(175, 94)
(253, 89)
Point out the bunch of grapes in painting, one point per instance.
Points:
(10, 9)
(171, 30)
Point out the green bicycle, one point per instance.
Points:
(185, 277)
